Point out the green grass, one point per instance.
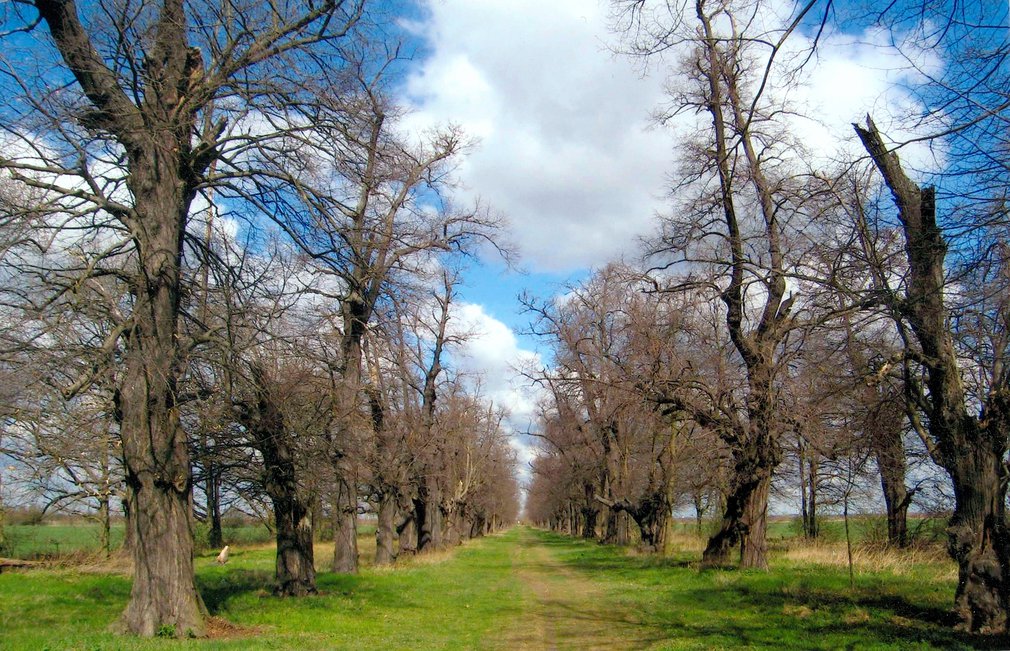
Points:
(563, 592)
(447, 602)
(793, 606)
(52, 540)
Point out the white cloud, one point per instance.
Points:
(564, 150)
(494, 354)
(567, 151)
(853, 76)
(492, 351)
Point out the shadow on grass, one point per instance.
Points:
(217, 590)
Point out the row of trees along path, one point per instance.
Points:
(295, 360)
(306, 366)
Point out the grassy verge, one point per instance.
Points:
(447, 601)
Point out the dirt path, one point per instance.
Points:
(564, 609)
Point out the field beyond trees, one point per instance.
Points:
(524, 589)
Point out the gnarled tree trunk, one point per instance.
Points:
(406, 530)
(430, 536)
(889, 451)
(971, 449)
(977, 535)
(745, 517)
(296, 571)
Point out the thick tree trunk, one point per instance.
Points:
(745, 519)
(624, 529)
(653, 520)
(164, 598)
(385, 529)
(296, 570)
(432, 530)
(611, 530)
(896, 498)
(155, 127)
(421, 507)
(452, 525)
(295, 566)
(754, 545)
(345, 527)
(978, 539)
(428, 514)
(971, 449)
(589, 515)
(889, 451)
(407, 532)
(478, 525)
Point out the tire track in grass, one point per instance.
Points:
(564, 609)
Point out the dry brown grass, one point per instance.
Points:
(686, 543)
(865, 556)
(222, 629)
(91, 562)
(875, 558)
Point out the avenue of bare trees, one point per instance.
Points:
(230, 271)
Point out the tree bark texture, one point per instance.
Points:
(156, 132)
(889, 452)
(430, 537)
(345, 526)
(589, 515)
(407, 532)
(652, 516)
(385, 530)
(744, 520)
(296, 571)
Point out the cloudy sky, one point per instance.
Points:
(568, 151)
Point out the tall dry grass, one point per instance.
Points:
(871, 556)
(866, 556)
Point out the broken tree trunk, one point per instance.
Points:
(971, 449)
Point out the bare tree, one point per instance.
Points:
(970, 446)
(129, 147)
(738, 194)
(371, 210)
